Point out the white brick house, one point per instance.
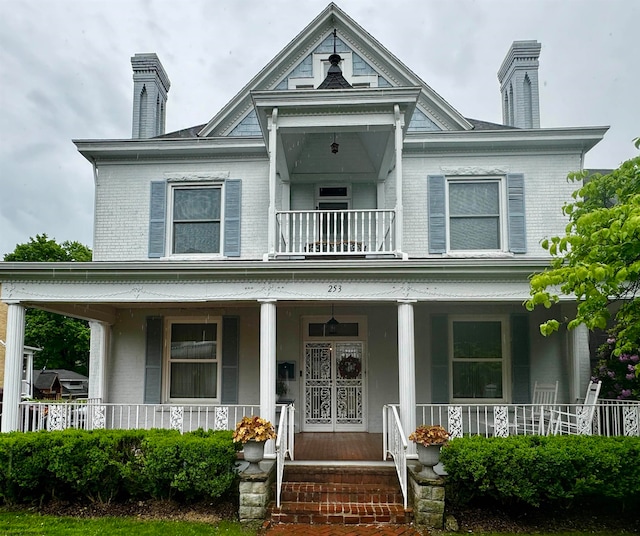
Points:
(222, 250)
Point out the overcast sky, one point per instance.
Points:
(65, 73)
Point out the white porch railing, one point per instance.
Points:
(339, 232)
(93, 414)
(395, 445)
(284, 445)
(610, 418)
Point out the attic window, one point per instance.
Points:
(361, 84)
(304, 86)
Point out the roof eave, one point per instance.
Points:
(564, 139)
(168, 147)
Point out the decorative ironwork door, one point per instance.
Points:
(334, 387)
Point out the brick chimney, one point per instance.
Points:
(150, 87)
(518, 77)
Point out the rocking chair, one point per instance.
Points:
(581, 421)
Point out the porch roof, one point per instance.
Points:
(505, 266)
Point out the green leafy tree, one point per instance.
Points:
(598, 259)
(64, 341)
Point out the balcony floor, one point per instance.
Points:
(340, 446)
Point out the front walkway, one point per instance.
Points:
(343, 530)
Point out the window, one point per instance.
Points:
(200, 218)
(474, 215)
(196, 219)
(192, 363)
(479, 353)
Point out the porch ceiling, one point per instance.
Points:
(360, 155)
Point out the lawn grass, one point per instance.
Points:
(29, 523)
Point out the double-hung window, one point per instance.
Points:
(479, 358)
(196, 219)
(199, 218)
(476, 214)
(193, 359)
(475, 221)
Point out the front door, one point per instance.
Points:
(334, 387)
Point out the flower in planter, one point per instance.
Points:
(253, 428)
(429, 435)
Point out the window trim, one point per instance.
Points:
(503, 230)
(170, 221)
(506, 357)
(166, 358)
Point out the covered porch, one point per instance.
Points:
(392, 344)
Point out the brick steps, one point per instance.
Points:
(340, 492)
(340, 495)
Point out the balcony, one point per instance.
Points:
(318, 233)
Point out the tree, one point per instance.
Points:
(64, 341)
(598, 259)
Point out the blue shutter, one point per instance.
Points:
(153, 361)
(230, 359)
(520, 361)
(517, 229)
(439, 359)
(232, 198)
(437, 215)
(157, 215)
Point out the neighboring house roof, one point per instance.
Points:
(45, 379)
(71, 383)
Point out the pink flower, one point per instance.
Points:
(631, 376)
(635, 358)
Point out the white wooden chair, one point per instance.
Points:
(533, 418)
(581, 421)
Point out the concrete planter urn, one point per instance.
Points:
(429, 440)
(428, 456)
(253, 433)
(253, 453)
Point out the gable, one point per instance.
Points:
(303, 63)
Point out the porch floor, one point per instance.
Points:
(341, 446)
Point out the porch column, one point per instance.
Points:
(399, 203)
(273, 145)
(100, 332)
(13, 367)
(268, 367)
(406, 371)
(579, 362)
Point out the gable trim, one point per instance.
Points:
(361, 43)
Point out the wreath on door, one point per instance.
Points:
(349, 367)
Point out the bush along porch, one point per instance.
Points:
(522, 473)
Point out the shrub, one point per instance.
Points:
(105, 464)
(617, 372)
(536, 471)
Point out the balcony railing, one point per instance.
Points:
(340, 232)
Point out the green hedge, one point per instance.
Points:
(538, 471)
(107, 464)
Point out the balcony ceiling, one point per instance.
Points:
(361, 154)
